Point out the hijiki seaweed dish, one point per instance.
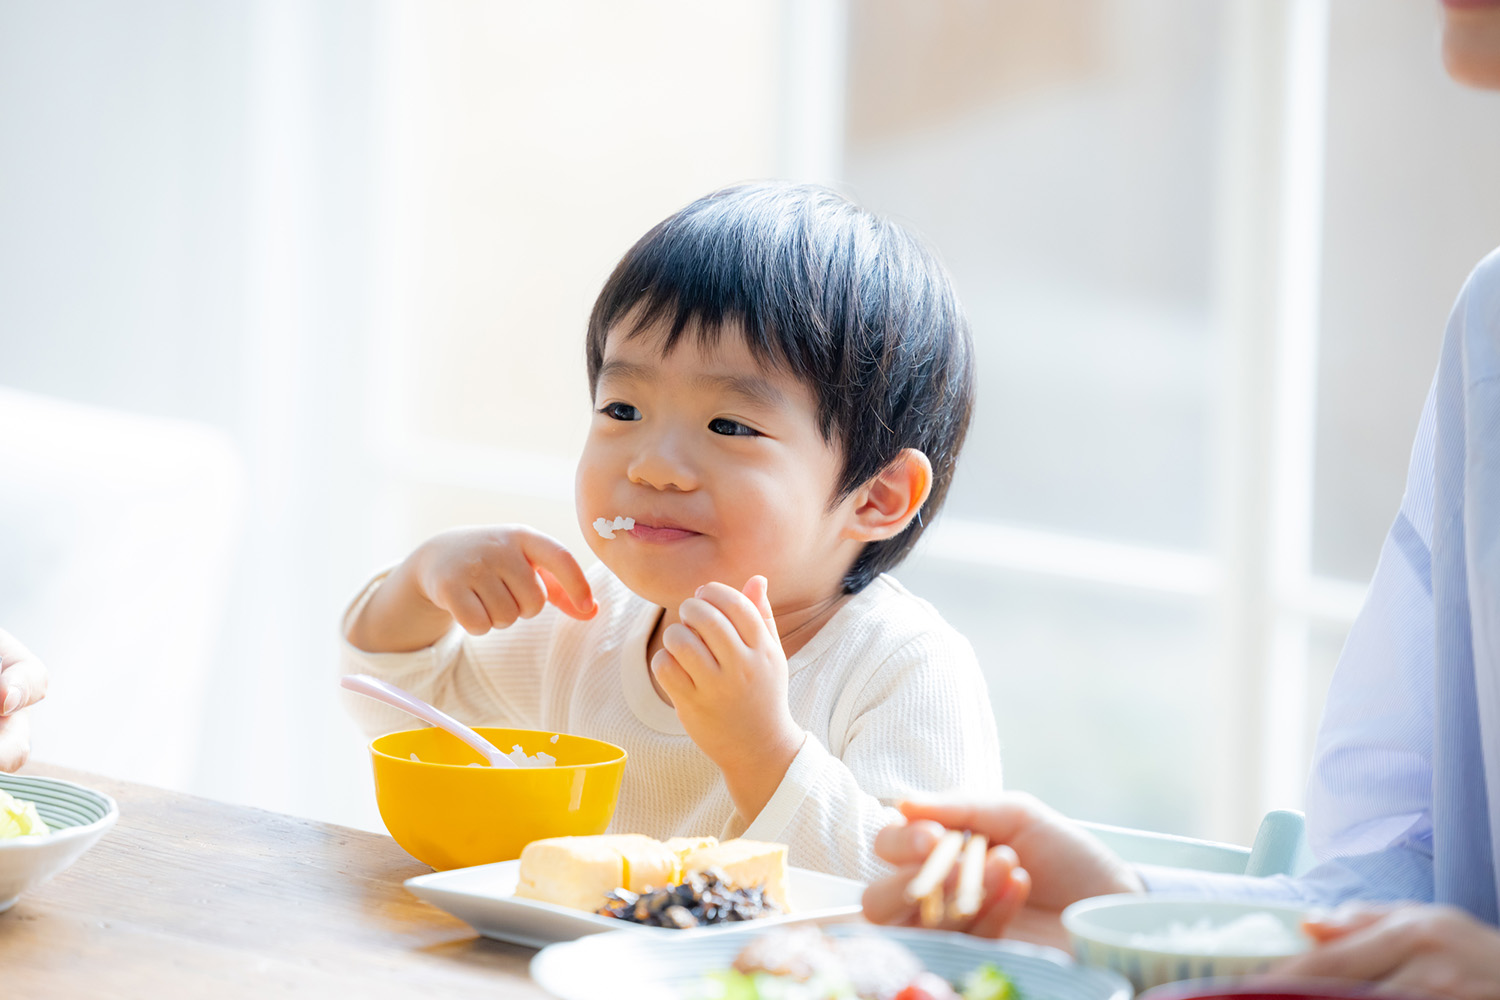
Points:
(706, 897)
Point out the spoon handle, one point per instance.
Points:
(390, 694)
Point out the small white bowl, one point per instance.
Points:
(77, 818)
(1101, 930)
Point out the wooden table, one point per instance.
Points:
(191, 898)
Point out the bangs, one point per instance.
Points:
(746, 260)
(852, 305)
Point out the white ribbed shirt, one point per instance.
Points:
(890, 696)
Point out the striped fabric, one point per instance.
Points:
(1404, 797)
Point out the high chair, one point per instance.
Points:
(1280, 848)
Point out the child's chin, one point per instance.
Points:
(663, 591)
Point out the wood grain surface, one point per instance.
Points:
(191, 898)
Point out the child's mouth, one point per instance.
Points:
(660, 533)
(641, 531)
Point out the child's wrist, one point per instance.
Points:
(398, 617)
(754, 754)
(754, 778)
(410, 597)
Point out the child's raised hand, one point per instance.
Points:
(481, 578)
(488, 578)
(723, 667)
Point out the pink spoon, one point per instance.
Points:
(390, 694)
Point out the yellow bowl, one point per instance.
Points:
(450, 815)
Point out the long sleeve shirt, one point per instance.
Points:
(891, 699)
(1404, 797)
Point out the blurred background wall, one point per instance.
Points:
(288, 285)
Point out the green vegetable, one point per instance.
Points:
(988, 983)
(729, 984)
(19, 818)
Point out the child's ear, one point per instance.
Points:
(885, 505)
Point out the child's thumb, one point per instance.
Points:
(758, 590)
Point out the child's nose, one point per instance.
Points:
(664, 464)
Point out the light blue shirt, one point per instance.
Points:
(1404, 797)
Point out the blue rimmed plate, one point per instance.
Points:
(77, 818)
(620, 966)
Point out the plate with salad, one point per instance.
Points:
(835, 962)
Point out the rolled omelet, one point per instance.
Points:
(580, 872)
(649, 864)
(683, 846)
(746, 863)
(570, 871)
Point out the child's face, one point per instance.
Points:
(720, 462)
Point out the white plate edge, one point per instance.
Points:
(428, 888)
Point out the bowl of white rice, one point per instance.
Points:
(1153, 940)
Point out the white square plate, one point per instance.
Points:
(484, 897)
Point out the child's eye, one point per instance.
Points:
(731, 428)
(620, 411)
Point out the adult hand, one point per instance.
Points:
(1434, 950)
(1042, 862)
(23, 682)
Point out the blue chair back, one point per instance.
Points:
(1280, 848)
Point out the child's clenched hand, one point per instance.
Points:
(723, 667)
(482, 578)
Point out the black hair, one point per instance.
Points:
(848, 302)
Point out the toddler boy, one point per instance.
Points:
(781, 384)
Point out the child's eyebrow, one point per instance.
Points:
(751, 388)
(748, 387)
(625, 371)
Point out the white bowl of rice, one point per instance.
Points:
(1153, 940)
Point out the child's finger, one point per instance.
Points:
(567, 586)
(737, 610)
(689, 650)
(500, 603)
(669, 674)
(468, 610)
(758, 590)
(714, 628)
(565, 600)
(528, 591)
(509, 586)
